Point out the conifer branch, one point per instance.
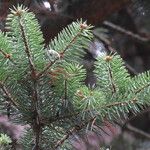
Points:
(69, 133)
(82, 27)
(74, 130)
(108, 46)
(27, 49)
(111, 80)
(7, 56)
(56, 118)
(65, 92)
(46, 68)
(133, 101)
(35, 102)
(8, 94)
(142, 88)
(114, 104)
(112, 77)
(37, 128)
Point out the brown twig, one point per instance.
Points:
(7, 56)
(65, 96)
(8, 94)
(70, 132)
(138, 131)
(120, 103)
(46, 68)
(27, 50)
(142, 88)
(37, 127)
(113, 86)
(73, 131)
(72, 41)
(127, 32)
(58, 118)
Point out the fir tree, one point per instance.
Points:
(44, 88)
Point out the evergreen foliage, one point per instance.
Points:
(44, 86)
(4, 142)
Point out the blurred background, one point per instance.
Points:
(119, 25)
